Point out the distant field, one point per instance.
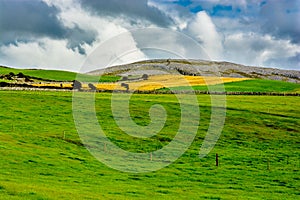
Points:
(159, 81)
(156, 82)
(175, 82)
(258, 149)
(57, 75)
(253, 85)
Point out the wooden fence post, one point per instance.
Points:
(217, 160)
(64, 135)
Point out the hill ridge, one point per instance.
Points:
(199, 68)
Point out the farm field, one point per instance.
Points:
(159, 81)
(154, 82)
(179, 83)
(251, 85)
(64, 80)
(57, 75)
(42, 156)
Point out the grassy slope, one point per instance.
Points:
(36, 163)
(255, 85)
(57, 75)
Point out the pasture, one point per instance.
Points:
(42, 156)
(250, 85)
(57, 75)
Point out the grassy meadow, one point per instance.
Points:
(42, 156)
(252, 85)
(58, 75)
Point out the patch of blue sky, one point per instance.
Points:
(218, 10)
(196, 9)
(225, 11)
(183, 3)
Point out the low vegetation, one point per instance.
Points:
(156, 82)
(200, 68)
(252, 85)
(42, 156)
(57, 75)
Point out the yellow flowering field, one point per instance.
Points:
(160, 81)
(153, 82)
(54, 84)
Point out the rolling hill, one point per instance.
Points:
(55, 75)
(199, 68)
(42, 156)
(163, 75)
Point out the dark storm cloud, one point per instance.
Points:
(281, 19)
(20, 19)
(77, 37)
(135, 9)
(25, 21)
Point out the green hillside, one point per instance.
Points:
(254, 85)
(258, 149)
(57, 75)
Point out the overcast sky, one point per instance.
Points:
(56, 34)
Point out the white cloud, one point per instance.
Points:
(240, 35)
(256, 49)
(177, 14)
(55, 54)
(72, 14)
(227, 25)
(204, 30)
(43, 53)
(116, 50)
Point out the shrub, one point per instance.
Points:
(20, 75)
(125, 78)
(27, 79)
(77, 85)
(145, 76)
(4, 84)
(125, 85)
(92, 87)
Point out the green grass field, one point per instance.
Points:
(255, 85)
(56, 75)
(259, 150)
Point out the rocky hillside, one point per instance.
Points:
(199, 68)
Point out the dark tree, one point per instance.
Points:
(92, 87)
(4, 84)
(27, 79)
(145, 76)
(20, 75)
(168, 62)
(125, 78)
(77, 85)
(125, 85)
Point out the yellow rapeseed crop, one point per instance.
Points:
(45, 84)
(153, 82)
(160, 81)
